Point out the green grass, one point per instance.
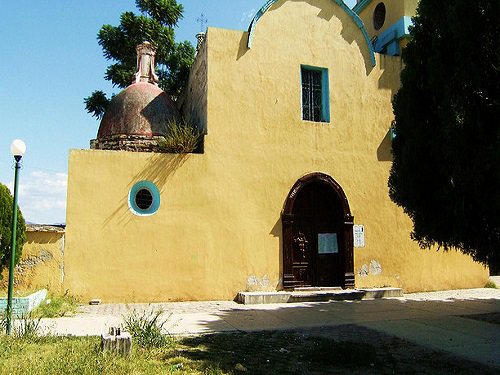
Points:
(56, 306)
(491, 284)
(236, 353)
(146, 328)
(180, 138)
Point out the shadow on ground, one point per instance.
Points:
(345, 349)
(330, 337)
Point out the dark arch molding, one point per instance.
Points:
(315, 177)
(288, 217)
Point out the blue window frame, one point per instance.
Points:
(315, 95)
(144, 198)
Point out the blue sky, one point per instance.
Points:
(50, 62)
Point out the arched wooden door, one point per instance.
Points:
(317, 235)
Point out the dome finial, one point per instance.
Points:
(146, 64)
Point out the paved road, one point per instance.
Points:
(438, 320)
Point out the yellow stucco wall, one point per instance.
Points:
(218, 229)
(193, 101)
(41, 263)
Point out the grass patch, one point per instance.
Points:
(56, 306)
(236, 353)
(491, 284)
(146, 328)
(180, 138)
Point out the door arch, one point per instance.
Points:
(317, 234)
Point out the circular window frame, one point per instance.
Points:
(379, 16)
(155, 194)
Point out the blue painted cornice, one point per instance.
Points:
(349, 11)
(389, 39)
(361, 5)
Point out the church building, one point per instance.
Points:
(288, 188)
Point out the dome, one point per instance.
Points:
(142, 109)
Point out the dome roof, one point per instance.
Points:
(141, 109)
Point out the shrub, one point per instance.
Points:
(490, 284)
(146, 328)
(180, 138)
(58, 305)
(28, 327)
(6, 202)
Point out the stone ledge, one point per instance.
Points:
(316, 295)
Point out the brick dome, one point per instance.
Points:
(138, 116)
(141, 109)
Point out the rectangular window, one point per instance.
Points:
(315, 96)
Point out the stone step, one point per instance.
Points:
(317, 288)
(327, 294)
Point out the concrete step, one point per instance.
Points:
(315, 295)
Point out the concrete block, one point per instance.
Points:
(116, 341)
(375, 293)
(259, 298)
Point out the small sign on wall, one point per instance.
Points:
(327, 243)
(359, 235)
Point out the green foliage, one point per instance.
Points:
(6, 201)
(27, 327)
(57, 306)
(446, 172)
(97, 103)
(491, 284)
(146, 329)
(180, 138)
(3, 321)
(156, 25)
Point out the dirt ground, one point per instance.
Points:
(347, 349)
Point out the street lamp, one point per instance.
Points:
(17, 148)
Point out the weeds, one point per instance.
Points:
(57, 306)
(28, 327)
(146, 328)
(180, 138)
(491, 284)
(25, 327)
(3, 321)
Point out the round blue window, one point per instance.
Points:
(144, 198)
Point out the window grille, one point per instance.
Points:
(312, 96)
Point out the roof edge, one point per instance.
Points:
(349, 11)
(361, 5)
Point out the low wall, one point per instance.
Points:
(23, 305)
(42, 261)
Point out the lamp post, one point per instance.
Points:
(17, 148)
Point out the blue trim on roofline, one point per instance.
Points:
(361, 5)
(353, 15)
(389, 39)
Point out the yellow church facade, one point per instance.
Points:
(290, 189)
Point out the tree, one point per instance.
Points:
(446, 169)
(156, 25)
(6, 202)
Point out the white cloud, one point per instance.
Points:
(42, 197)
